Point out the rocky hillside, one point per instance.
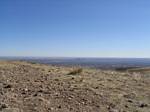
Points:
(30, 87)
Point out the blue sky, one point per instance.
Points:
(75, 28)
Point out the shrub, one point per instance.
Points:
(76, 71)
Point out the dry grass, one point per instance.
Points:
(76, 71)
(41, 88)
(141, 70)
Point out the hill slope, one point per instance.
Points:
(26, 87)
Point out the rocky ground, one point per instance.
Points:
(30, 87)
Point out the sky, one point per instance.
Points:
(75, 28)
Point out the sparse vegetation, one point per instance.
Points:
(76, 71)
(33, 62)
(141, 70)
(93, 90)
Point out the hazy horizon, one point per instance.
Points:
(55, 57)
(81, 28)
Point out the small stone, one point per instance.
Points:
(142, 105)
(36, 94)
(69, 98)
(126, 106)
(11, 110)
(56, 79)
(25, 89)
(72, 78)
(130, 101)
(3, 105)
(96, 87)
(83, 103)
(51, 108)
(8, 86)
(59, 106)
(113, 110)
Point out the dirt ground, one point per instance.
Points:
(30, 87)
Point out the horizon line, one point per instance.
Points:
(73, 57)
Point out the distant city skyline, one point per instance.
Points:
(75, 28)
